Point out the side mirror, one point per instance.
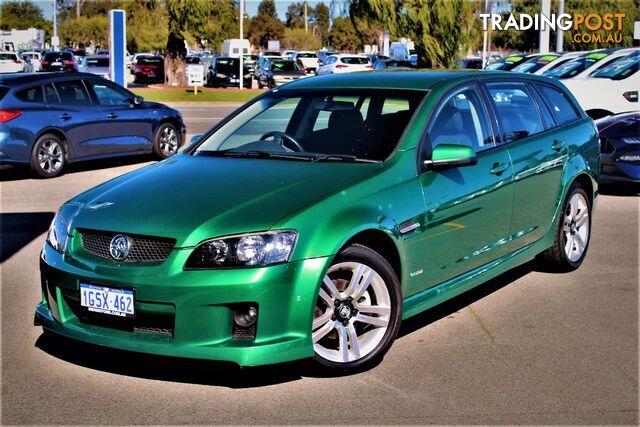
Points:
(138, 100)
(451, 155)
(195, 138)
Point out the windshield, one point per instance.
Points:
(619, 68)
(96, 62)
(319, 125)
(575, 66)
(148, 60)
(284, 66)
(507, 64)
(534, 64)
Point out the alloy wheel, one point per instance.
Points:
(352, 313)
(576, 227)
(168, 141)
(50, 156)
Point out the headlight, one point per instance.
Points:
(59, 228)
(245, 250)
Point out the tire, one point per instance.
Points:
(366, 312)
(48, 156)
(573, 233)
(166, 141)
(260, 85)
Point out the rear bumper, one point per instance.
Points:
(188, 313)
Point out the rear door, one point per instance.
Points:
(538, 154)
(467, 208)
(125, 127)
(78, 117)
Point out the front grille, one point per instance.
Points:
(144, 249)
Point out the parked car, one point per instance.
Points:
(323, 214)
(554, 63)
(32, 61)
(375, 57)
(263, 61)
(279, 71)
(102, 52)
(10, 63)
(148, 68)
(393, 64)
(251, 62)
(98, 65)
(586, 65)
(49, 120)
(225, 72)
(308, 59)
(345, 63)
(510, 62)
(134, 58)
(323, 55)
(470, 63)
(288, 54)
(59, 61)
(612, 89)
(620, 148)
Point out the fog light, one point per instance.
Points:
(246, 317)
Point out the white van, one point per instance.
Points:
(233, 47)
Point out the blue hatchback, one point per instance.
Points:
(50, 119)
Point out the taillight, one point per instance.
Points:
(342, 66)
(68, 62)
(16, 61)
(6, 115)
(370, 67)
(44, 62)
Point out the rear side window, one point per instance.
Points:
(50, 95)
(33, 94)
(561, 107)
(517, 111)
(72, 93)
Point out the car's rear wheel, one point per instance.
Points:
(573, 233)
(48, 156)
(167, 141)
(358, 310)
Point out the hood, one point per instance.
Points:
(195, 198)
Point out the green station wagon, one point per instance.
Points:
(312, 220)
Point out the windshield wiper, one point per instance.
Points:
(342, 158)
(256, 154)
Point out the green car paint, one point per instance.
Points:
(451, 230)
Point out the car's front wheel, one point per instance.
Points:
(48, 156)
(167, 141)
(358, 310)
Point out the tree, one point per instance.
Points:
(343, 35)
(265, 25)
(22, 15)
(147, 26)
(298, 39)
(85, 31)
(295, 15)
(321, 21)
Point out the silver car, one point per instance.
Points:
(96, 65)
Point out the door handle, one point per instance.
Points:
(112, 115)
(558, 145)
(65, 116)
(498, 168)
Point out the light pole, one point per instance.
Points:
(559, 32)
(241, 45)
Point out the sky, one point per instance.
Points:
(251, 5)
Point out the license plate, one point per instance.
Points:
(235, 80)
(56, 64)
(101, 299)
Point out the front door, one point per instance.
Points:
(468, 208)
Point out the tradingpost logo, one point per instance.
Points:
(585, 27)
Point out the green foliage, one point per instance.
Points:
(295, 15)
(84, 31)
(22, 15)
(147, 26)
(441, 29)
(321, 21)
(343, 35)
(265, 25)
(298, 39)
(318, 19)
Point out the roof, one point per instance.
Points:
(15, 79)
(406, 79)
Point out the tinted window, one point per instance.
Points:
(51, 95)
(58, 56)
(228, 65)
(149, 60)
(306, 55)
(109, 95)
(561, 107)
(285, 66)
(96, 62)
(33, 94)
(516, 109)
(8, 56)
(462, 120)
(355, 60)
(192, 60)
(72, 93)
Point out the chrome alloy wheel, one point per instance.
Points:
(352, 313)
(50, 156)
(576, 227)
(168, 141)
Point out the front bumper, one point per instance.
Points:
(196, 307)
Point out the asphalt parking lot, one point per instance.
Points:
(526, 348)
